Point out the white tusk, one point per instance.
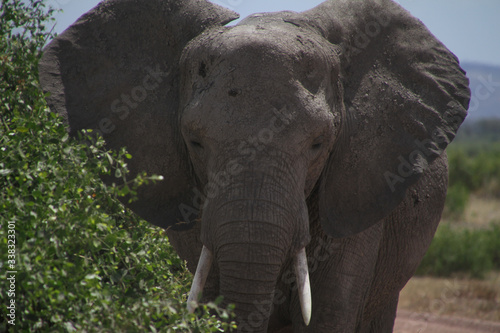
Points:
(200, 277)
(302, 274)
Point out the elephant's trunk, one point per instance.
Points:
(251, 231)
(302, 280)
(249, 284)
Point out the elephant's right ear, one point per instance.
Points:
(116, 71)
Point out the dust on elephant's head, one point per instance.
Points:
(328, 115)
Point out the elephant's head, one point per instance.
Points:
(349, 101)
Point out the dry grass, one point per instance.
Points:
(482, 211)
(460, 297)
(479, 213)
(477, 299)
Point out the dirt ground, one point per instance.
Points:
(439, 305)
(461, 298)
(410, 322)
(457, 304)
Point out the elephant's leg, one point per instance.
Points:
(384, 322)
(341, 272)
(287, 329)
(408, 232)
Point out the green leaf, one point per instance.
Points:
(69, 327)
(5, 172)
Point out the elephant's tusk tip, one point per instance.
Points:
(304, 286)
(200, 277)
(306, 315)
(306, 308)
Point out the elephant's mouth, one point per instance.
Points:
(301, 273)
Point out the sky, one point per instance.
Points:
(469, 28)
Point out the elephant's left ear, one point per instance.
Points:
(116, 71)
(405, 97)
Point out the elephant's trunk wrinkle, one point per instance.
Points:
(229, 276)
(221, 248)
(281, 228)
(251, 304)
(250, 200)
(236, 262)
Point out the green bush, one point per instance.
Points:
(456, 200)
(82, 262)
(473, 252)
(474, 168)
(475, 165)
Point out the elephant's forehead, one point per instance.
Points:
(279, 45)
(255, 38)
(272, 51)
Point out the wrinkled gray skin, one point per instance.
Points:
(324, 129)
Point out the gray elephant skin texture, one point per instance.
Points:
(288, 138)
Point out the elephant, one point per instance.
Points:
(303, 154)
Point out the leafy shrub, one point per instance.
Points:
(475, 252)
(82, 261)
(456, 200)
(474, 168)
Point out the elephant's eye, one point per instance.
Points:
(196, 144)
(318, 143)
(316, 146)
